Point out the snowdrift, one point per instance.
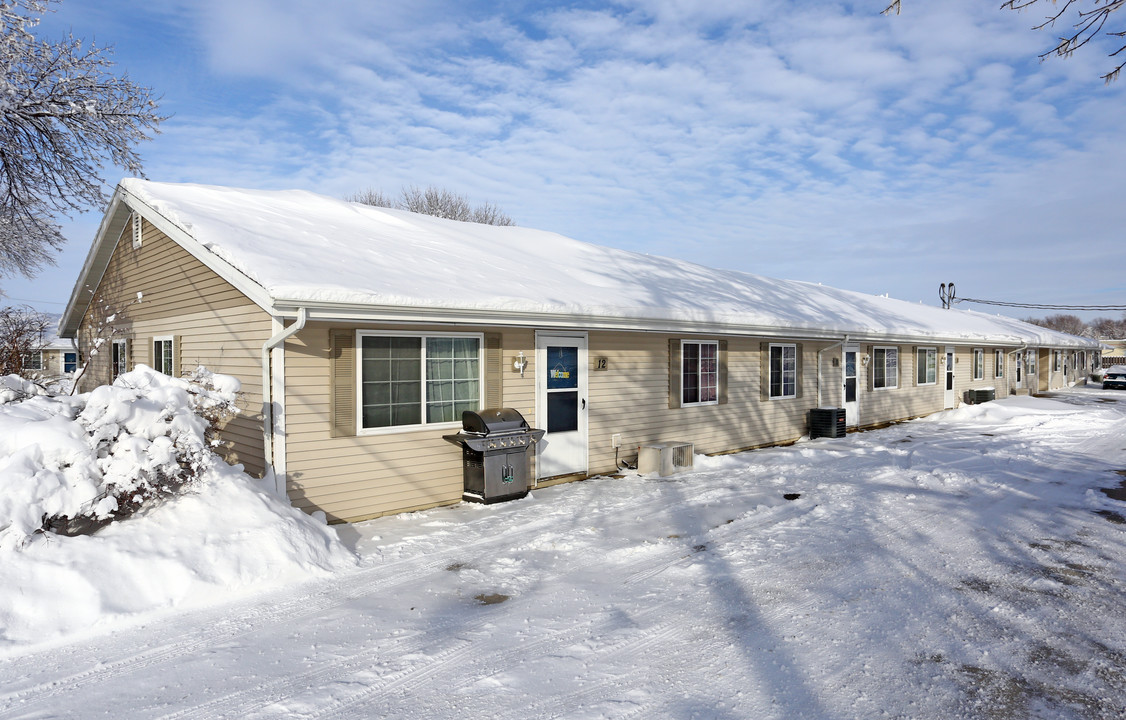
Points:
(194, 531)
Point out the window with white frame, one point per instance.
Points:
(783, 371)
(162, 354)
(70, 362)
(926, 366)
(1055, 361)
(119, 363)
(418, 379)
(979, 364)
(33, 360)
(998, 363)
(699, 384)
(885, 368)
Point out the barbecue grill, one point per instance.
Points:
(494, 450)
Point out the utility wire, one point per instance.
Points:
(1039, 306)
(47, 302)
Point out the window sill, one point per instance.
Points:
(403, 429)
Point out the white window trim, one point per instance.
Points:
(714, 343)
(928, 350)
(872, 369)
(396, 429)
(123, 354)
(171, 340)
(770, 371)
(27, 360)
(978, 364)
(75, 354)
(998, 363)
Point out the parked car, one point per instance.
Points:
(1115, 377)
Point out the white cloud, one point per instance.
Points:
(806, 140)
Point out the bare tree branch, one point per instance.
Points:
(435, 201)
(63, 117)
(1085, 24)
(23, 333)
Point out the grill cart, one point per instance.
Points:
(494, 451)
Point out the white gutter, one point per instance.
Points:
(827, 347)
(267, 394)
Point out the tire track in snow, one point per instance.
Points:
(427, 644)
(251, 703)
(493, 662)
(248, 702)
(216, 625)
(245, 703)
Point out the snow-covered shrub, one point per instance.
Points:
(73, 464)
(14, 387)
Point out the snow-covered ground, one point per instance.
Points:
(960, 566)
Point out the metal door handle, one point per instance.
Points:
(584, 403)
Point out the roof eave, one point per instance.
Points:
(97, 259)
(249, 287)
(405, 315)
(114, 222)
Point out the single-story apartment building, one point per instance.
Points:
(360, 334)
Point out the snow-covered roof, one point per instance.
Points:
(304, 249)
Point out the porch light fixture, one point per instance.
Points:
(520, 363)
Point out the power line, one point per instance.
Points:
(46, 302)
(1041, 306)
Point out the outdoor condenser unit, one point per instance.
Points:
(827, 422)
(981, 395)
(664, 458)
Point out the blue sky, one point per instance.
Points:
(803, 140)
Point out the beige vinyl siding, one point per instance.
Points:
(631, 398)
(363, 476)
(964, 371)
(54, 362)
(907, 400)
(212, 323)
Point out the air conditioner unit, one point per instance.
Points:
(664, 458)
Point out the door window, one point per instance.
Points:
(850, 376)
(562, 389)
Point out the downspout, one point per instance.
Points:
(267, 395)
(827, 347)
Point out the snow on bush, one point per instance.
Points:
(74, 464)
(139, 449)
(13, 387)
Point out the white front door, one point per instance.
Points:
(1020, 370)
(561, 404)
(851, 352)
(950, 398)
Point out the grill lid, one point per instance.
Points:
(492, 421)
